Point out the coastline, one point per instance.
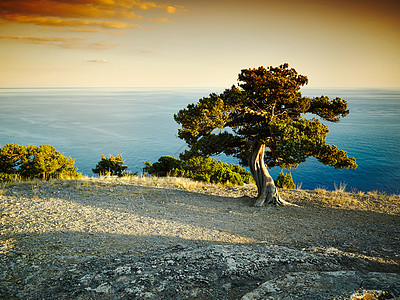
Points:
(69, 120)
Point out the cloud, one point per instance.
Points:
(109, 14)
(101, 46)
(90, 30)
(159, 20)
(171, 9)
(54, 41)
(69, 43)
(81, 16)
(73, 22)
(101, 61)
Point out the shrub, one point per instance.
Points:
(224, 175)
(35, 162)
(8, 177)
(246, 175)
(285, 181)
(181, 173)
(110, 166)
(201, 177)
(12, 157)
(199, 168)
(164, 166)
(47, 163)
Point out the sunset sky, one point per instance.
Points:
(196, 43)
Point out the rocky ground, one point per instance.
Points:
(173, 239)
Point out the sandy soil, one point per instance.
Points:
(73, 221)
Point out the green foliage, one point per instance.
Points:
(164, 166)
(8, 177)
(224, 175)
(200, 177)
(110, 166)
(245, 175)
(12, 157)
(285, 181)
(199, 168)
(266, 108)
(35, 162)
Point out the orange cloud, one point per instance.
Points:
(102, 46)
(53, 8)
(55, 41)
(145, 5)
(32, 10)
(73, 22)
(159, 20)
(93, 16)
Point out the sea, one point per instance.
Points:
(138, 124)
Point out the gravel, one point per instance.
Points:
(127, 239)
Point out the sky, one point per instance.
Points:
(196, 43)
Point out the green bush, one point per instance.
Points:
(199, 168)
(201, 177)
(285, 181)
(12, 157)
(35, 162)
(225, 175)
(164, 166)
(181, 173)
(8, 177)
(110, 166)
(246, 175)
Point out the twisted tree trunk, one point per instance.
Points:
(267, 191)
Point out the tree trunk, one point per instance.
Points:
(267, 191)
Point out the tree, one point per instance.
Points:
(164, 166)
(11, 158)
(36, 162)
(46, 163)
(111, 165)
(264, 122)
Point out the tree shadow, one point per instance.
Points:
(362, 233)
(129, 217)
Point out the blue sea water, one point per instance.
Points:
(138, 124)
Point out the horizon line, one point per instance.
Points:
(183, 87)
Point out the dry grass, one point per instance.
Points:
(339, 198)
(371, 201)
(341, 188)
(188, 184)
(5, 186)
(162, 182)
(320, 191)
(374, 193)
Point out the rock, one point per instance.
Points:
(102, 288)
(247, 272)
(328, 285)
(122, 270)
(363, 295)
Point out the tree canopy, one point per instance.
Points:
(199, 168)
(35, 162)
(264, 120)
(110, 166)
